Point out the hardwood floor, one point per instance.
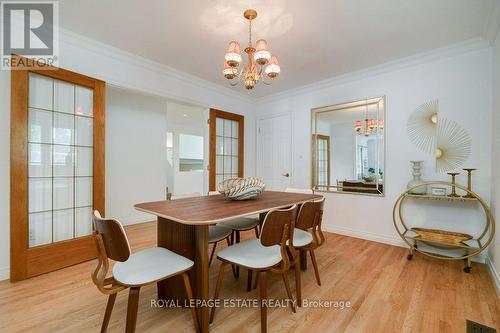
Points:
(387, 293)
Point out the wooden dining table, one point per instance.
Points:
(183, 228)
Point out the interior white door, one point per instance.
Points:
(275, 151)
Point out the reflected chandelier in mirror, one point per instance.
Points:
(348, 147)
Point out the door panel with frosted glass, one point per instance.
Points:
(226, 146)
(60, 152)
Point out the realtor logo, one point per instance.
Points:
(30, 29)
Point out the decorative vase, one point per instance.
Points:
(417, 179)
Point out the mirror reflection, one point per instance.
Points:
(348, 147)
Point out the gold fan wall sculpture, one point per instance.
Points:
(453, 145)
(445, 139)
(422, 126)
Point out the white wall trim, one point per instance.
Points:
(396, 241)
(120, 55)
(379, 238)
(136, 219)
(494, 274)
(4, 273)
(410, 61)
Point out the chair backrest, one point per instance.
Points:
(185, 196)
(310, 214)
(299, 190)
(113, 237)
(277, 227)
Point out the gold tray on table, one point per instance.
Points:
(441, 236)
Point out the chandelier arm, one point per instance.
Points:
(261, 69)
(268, 83)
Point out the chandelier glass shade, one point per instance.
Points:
(368, 126)
(261, 65)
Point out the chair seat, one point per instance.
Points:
(241, 223)
(301, 237)
(150, 265)
(252, 254)
(217, 233)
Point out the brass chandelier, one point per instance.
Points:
(261, 66)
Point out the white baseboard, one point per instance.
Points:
(379, 238)
(365, 235)
(4, 273)
(494, 275)
(135, 219)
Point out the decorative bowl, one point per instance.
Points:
(241, 188)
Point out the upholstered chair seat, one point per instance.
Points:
(149, 266)
(241, 223)
(217, 233)
(251, 254)
(301, 237)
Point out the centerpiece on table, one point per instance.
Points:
(241, 188)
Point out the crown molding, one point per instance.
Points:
(410, 61)
(120, 55)
(69, 37)
(492, 24)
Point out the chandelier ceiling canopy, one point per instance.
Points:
(261, 65)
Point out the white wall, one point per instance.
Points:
(135, 153)
(460, 77)
(342, 142)
(121, 69)
(495, 192)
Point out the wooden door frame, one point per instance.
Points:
(315, 162)
(213, 114)
(27, 262)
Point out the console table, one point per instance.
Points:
(444, 239)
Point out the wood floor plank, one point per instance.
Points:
(388, 294)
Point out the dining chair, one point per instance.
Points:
(238, 225)
(132, 270)
(216, 233)
(241, 223)
(307, 235)
(268, 253)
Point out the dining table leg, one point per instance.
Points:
(190, 241)
(202, 277)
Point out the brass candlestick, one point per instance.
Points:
(469, 182)
(453, 191)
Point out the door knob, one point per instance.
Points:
(285, 174)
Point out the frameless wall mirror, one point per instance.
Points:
(348, 147)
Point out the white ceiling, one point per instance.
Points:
(313, 40)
